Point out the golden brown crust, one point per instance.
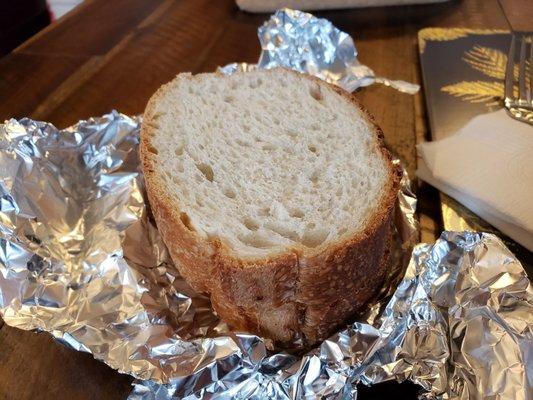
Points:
(301, 292)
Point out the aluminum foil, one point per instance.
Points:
(81, 258)
(299, 41)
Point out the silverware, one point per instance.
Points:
(519, 78)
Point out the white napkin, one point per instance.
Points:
(488, 167)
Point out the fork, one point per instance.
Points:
(519, 92)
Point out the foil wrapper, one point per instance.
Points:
(81, 258)
(297, 40)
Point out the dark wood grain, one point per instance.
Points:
(93, 29)
(519, 13)
(177, 39)
(27, 80)
(114, 54)
(53, 371)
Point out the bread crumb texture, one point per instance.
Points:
(266, 165)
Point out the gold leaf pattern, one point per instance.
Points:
(476, 91)
(490, 62)
(445, 34)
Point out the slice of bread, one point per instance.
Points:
(274, 194)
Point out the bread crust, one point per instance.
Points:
(301, 293)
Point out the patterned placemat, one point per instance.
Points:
(463, 73)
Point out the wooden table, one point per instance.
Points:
(114, 54)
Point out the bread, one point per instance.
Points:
(273, 5)
(274, 195)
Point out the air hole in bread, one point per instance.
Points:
(263, 212)
(282, 231)
(250, 224)
(296, 213)
(184, 217)
(312, 148)
(292, 134)
(314, 177)
(255, 83)
(314, 238)
(178, 151)
(152, 149)
(268, 147)
(206, 170)
(316, 92)
(158, 114)
(229, 193)
(229, 99)
(242, 143)
(257, 240)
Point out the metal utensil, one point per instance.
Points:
(519, 78)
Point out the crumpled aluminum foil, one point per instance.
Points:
(81, 258)
(299, 41)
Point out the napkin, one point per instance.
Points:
(272, 5)
(488, 167)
